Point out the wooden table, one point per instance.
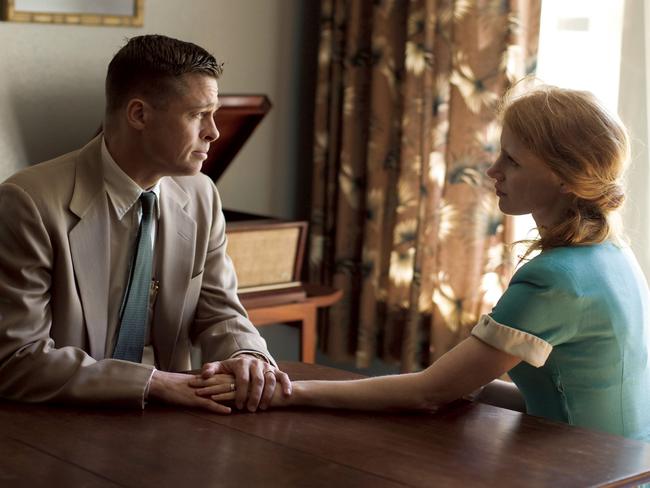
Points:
(466, 445)
(304, 313)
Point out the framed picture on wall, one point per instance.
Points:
(122, 13)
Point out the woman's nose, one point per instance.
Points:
(492, 171)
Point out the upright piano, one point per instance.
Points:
(267, 252)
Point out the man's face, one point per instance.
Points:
(178, 134)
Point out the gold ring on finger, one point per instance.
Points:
(269, 371)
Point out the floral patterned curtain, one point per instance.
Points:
(404, 219)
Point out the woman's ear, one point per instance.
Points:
(563, 188)
(136, 113)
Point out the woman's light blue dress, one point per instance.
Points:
(579, 317)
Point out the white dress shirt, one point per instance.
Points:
(125, 211)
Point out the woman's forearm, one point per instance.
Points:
(402, 392)
(461, 371)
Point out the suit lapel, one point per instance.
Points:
(89, 241)
(175, 245)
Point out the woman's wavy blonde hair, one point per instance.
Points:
(586, 147)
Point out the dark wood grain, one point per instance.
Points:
(166, 447)
(464, 445)
(473, 445)
(25, 465)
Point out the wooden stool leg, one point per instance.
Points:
(308, 336)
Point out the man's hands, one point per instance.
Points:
(249, 381)
(175, 388)
(255, 382)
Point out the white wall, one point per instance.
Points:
(51, 87)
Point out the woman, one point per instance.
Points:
(571, 329)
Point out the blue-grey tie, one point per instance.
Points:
(136, 306)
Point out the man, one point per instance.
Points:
(113, 257)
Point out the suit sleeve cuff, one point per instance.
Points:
(257, 354)
(527, 347)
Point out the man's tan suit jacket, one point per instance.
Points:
(54, 280)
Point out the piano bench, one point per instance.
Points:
(304, 313)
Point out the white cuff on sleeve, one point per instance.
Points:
(145, 393)
(528, 347)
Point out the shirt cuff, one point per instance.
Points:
(145, 394)
(527, 347)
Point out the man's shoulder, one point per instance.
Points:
(45, 173)
(55, 177)
(49, 181)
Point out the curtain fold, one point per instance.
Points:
(404, 219)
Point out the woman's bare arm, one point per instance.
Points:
(502, 394)
(459, 372)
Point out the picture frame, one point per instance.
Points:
(117, 13)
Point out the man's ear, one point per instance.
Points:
(137, 113)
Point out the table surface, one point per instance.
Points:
(467, 444)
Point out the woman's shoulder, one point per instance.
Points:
(571, 267)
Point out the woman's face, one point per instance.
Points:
(525, 184)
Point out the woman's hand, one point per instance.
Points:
(254, 382)
(218, 385)
(279, 399)
(224, 387)
(175, 388)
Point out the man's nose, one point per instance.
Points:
(211, 133)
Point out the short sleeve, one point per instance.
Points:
(541, 308)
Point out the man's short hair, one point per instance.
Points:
(151, 66)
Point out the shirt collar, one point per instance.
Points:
(122, 191)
